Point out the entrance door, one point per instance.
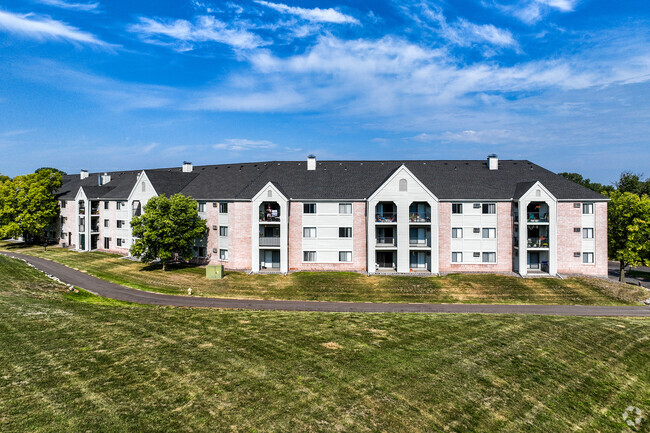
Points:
(269, 259)
(418, 260)
(82, 242)
(385, 259)
(533, 260)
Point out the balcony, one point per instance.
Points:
(386, 217)
(94, 229)
(414, 242)
(540, 242)
(420, 218)
(385, 241)
(269, 241)
(269, 218)
(537, 217)
(82, 211)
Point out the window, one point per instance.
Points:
(345, 208)
(63, 204)
(107, 243)
(587, 233)
(457, 208)
(489, 208)
(223, 231)
(587, 257)
(106, 205)
(223, 207)
(489, 233)
(121, 204)
(106, 223)
(309, 256)
(476, 230)
(200, 252)
(457, 233)
(457, 257)
(269, 193)
(309, 208)
(489, 257)
(345, 256)
(403, 185)
(223, 254)
(214, 227)
(62, 235)
(144, 187)
(201, 206)
(476, 254)
(309, 232)
(214, 204)
(345, 232)
(120, 224)
(119, 242)
(587, 208)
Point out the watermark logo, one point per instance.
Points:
(633, 416)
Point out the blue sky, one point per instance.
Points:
(109, 85)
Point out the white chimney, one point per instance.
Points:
(187, 167)
(493, 162)
(104, 179)
(311, 162)
(83, 174)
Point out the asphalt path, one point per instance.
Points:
(115, 291)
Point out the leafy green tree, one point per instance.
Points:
(577, 178)
(632, 182)
(629, 229)
(56, 170)
(167, 229)
(28, 204)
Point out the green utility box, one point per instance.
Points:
(214, 272)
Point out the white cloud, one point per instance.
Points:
(205, 29)
(45, 28)
(243, 144)
(486, 136)
(532, 11)
(82, 7)
(315, 15)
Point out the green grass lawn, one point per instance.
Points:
(344, 286)
(69, 365)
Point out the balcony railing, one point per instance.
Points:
(386, 217)
(385, 240)
(420, 218)
(419, 242)
(269, 241)
(82, 211)
(94, 229)
(540, 242)
(265, 217)
(94, 211)
(537, 217)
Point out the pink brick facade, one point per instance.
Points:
(505, 234)
(239, 236)
(68, 212)
(570, 242)
(212, 222)
(359, 261)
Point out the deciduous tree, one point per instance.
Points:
(629, 229)
(167, 229)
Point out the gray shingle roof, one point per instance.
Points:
(447, 180)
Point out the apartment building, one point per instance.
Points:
(365, 216)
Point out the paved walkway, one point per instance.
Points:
(615, 274)
(115, 291)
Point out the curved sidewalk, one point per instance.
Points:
(115, 291)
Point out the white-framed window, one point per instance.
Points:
(223, 254)
(106, 205)
(587, 257)
(201, 206)
(120, 241)
(309, 256)
(345, 256)
(120, 224)
(403, 185)
(223, 231)
(345, 232)
(489, 233)
(63, 204)
(107, 243)
(309, 232)
(223, 207)
(457, 208)
(457, 257)
(345, 208)
(309, 208)
(587, 208)
(489, 257)
(587, 233)
(457, 233)
(106, 223)
(489, 208)
(121, 204)
(144, 186)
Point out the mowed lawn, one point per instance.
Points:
(345, 286)
(77, 363)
